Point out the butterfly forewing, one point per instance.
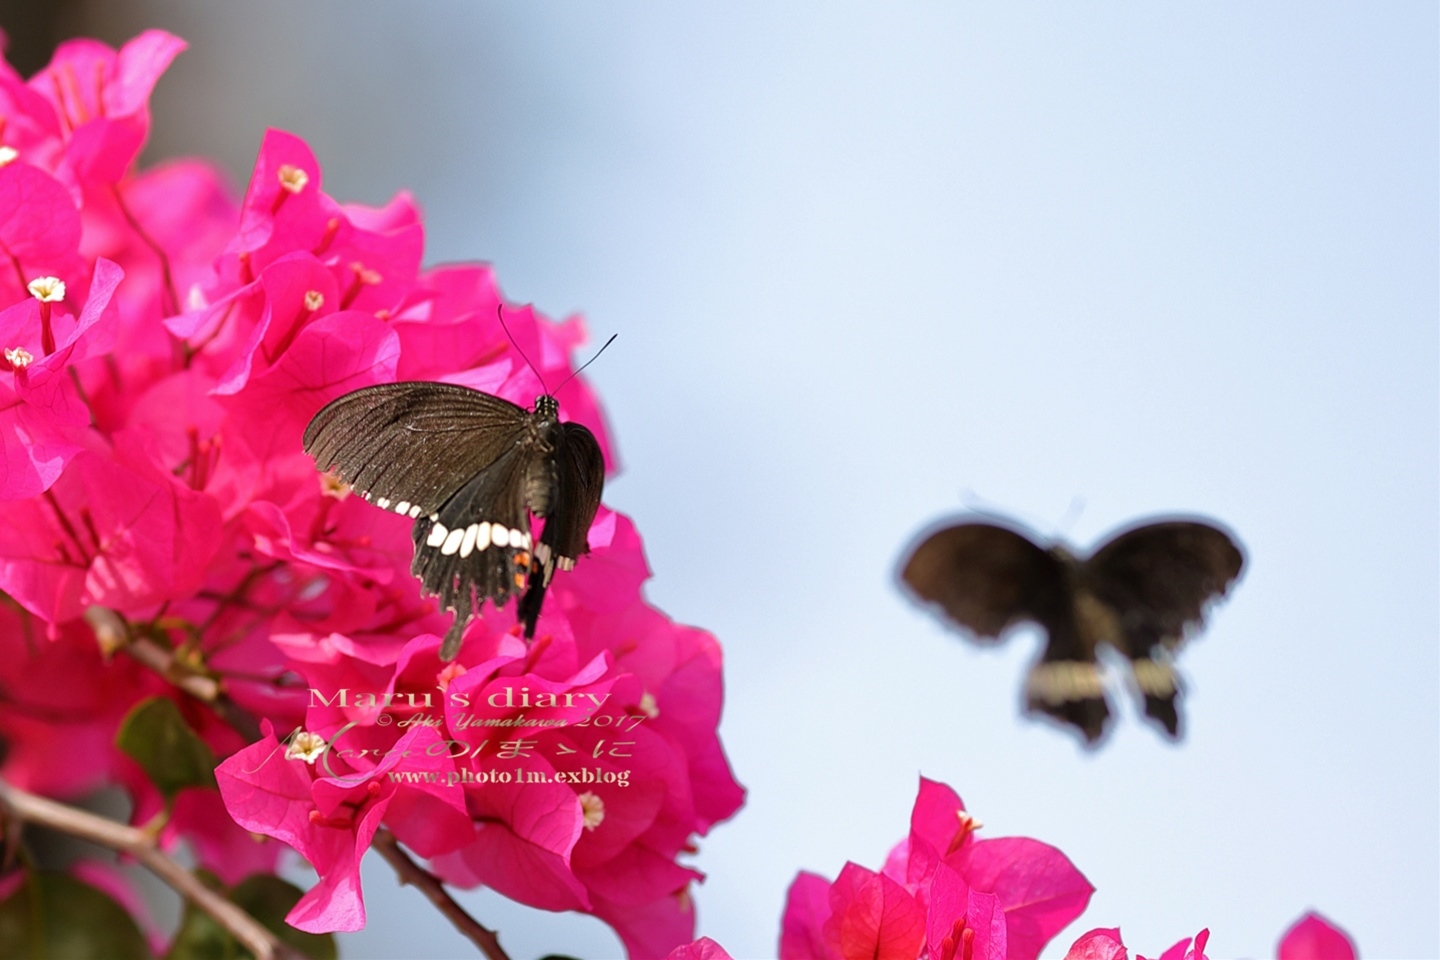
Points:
(985, 577)
(470, 468)
(414, 443)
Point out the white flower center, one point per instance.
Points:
(47, 289)
(305, 746)
(593, 808)
(292, 178)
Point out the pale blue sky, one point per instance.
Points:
(864, 258)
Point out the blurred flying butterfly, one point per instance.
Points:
(466, 466)
(1142, 592)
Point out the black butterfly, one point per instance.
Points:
(1142, 592)
(466, 466)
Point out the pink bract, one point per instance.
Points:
(1312, 937)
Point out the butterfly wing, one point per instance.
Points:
(1159, 578)
(579, 480)
(412, 444)
(478, 547)
(987, 578)
(454, 459)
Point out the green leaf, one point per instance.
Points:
(265, 897)
(201, 938)
(157, 737)
(55, 915)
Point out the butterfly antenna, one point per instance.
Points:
(500, 311)
(1071, 517)
(588, 362)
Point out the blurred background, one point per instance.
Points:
(871, 264)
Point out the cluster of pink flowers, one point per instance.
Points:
(943, 894)
(163, 350)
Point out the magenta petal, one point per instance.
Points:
(522, 847)
(802, 930)
(935, 818)
(1102, 943)
(1313, 937)
(873, 917)
(1037, 886)
(430, 817)
(103, 148)
(949, 902)
(702, 949)
(140, 63)
(335, 902)
(652, 929)
(266, 793)
(984, 916)
(34, 446)
(958, 914)
(39, 228)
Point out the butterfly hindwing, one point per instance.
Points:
(477, 547)
(987, 578)
(1158, 578)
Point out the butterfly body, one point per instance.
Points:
(470, 469)
(1141, 593)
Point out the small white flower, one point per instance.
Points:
(305, 746)
(47, 289)
(292, 178)
(593, 808)
(19, 357)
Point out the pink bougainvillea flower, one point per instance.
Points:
(330, 820)
(102, 99)
(1036, 885)
(1002, 898)
(42, 415)
(39, 230)
(1312, 937)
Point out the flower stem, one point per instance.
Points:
(29, 808)
(434, 890)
